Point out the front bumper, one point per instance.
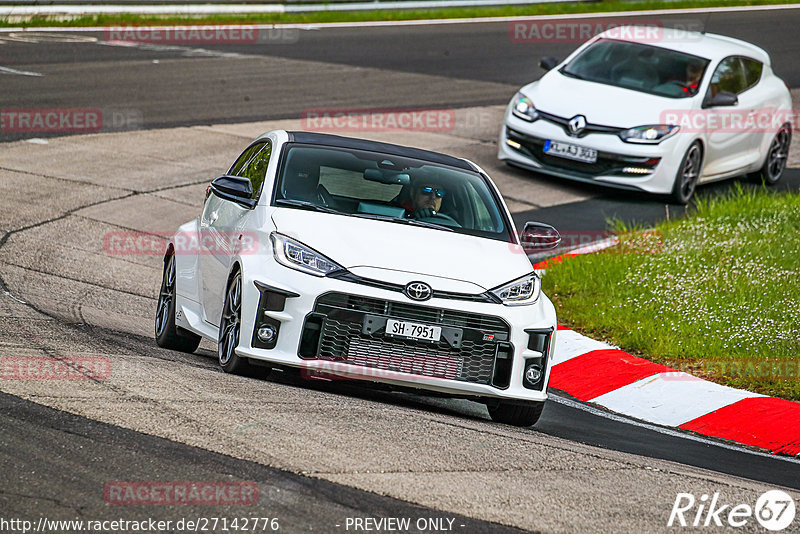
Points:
(521, 143)
(332, 328)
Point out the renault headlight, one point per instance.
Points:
(295, 255)
(650, 134)
(523, 108)
(521, 291)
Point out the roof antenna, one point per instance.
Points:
(705, 23)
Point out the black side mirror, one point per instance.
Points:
(235, 189)
(539, 236)
(548, 62)
(723, 98)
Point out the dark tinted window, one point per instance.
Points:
(752, 71)
(645, 68)
(242, 160)
(728, 77)
(256, 168)
(359, 183)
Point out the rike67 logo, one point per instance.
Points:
(774, 510)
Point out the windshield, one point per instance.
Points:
(645, 68)
(386, 187)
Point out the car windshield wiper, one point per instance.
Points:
(307, 205)
(565, 72)
(412, 222)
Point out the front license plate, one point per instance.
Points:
(413, 330)
(570, 151)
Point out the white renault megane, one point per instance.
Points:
(356, 259)
(655, 111)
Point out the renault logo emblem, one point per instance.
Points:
(418, 291)
(577, 124)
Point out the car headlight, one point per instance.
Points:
(295, 255)
(652, 133)
(521, 291)
(523, 108)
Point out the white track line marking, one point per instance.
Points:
(423, 22)
(8, 294)
(6, 70)
(666, 431)
(184, 50)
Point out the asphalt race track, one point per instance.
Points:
(319, 452)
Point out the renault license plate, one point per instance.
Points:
(570, 151)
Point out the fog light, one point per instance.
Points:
(513, 144)
(533, 374)
(266, 333)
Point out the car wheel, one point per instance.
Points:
(230, 327)
(168, 335)
(688, 173)
(516, 414)
(777, 156)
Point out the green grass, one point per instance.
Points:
(269, 18)
(716, 293)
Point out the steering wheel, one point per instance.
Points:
(680, 84)
(439, 218)
(644, 72)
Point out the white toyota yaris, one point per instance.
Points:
(356, 259)
(655, 110)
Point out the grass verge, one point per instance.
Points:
(716, 294)
(355, 16)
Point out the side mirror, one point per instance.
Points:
(723, 98)
(548, 62)
(234, 188)
(539, 236)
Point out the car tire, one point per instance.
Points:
(777, 156)
(688, 174)
(516, 414)
(230, 328)
(168, 335)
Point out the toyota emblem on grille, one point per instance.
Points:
(418, 291)
(577, 124)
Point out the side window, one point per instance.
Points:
(242, 160)
(483, 219)
(486, 215)
(752, 71)
(256, 169)
(728, 77)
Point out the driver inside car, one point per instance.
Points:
(424, 200)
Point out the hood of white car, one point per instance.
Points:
(601, 104)
(400, 253)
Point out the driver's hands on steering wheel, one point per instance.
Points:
(423, 213)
